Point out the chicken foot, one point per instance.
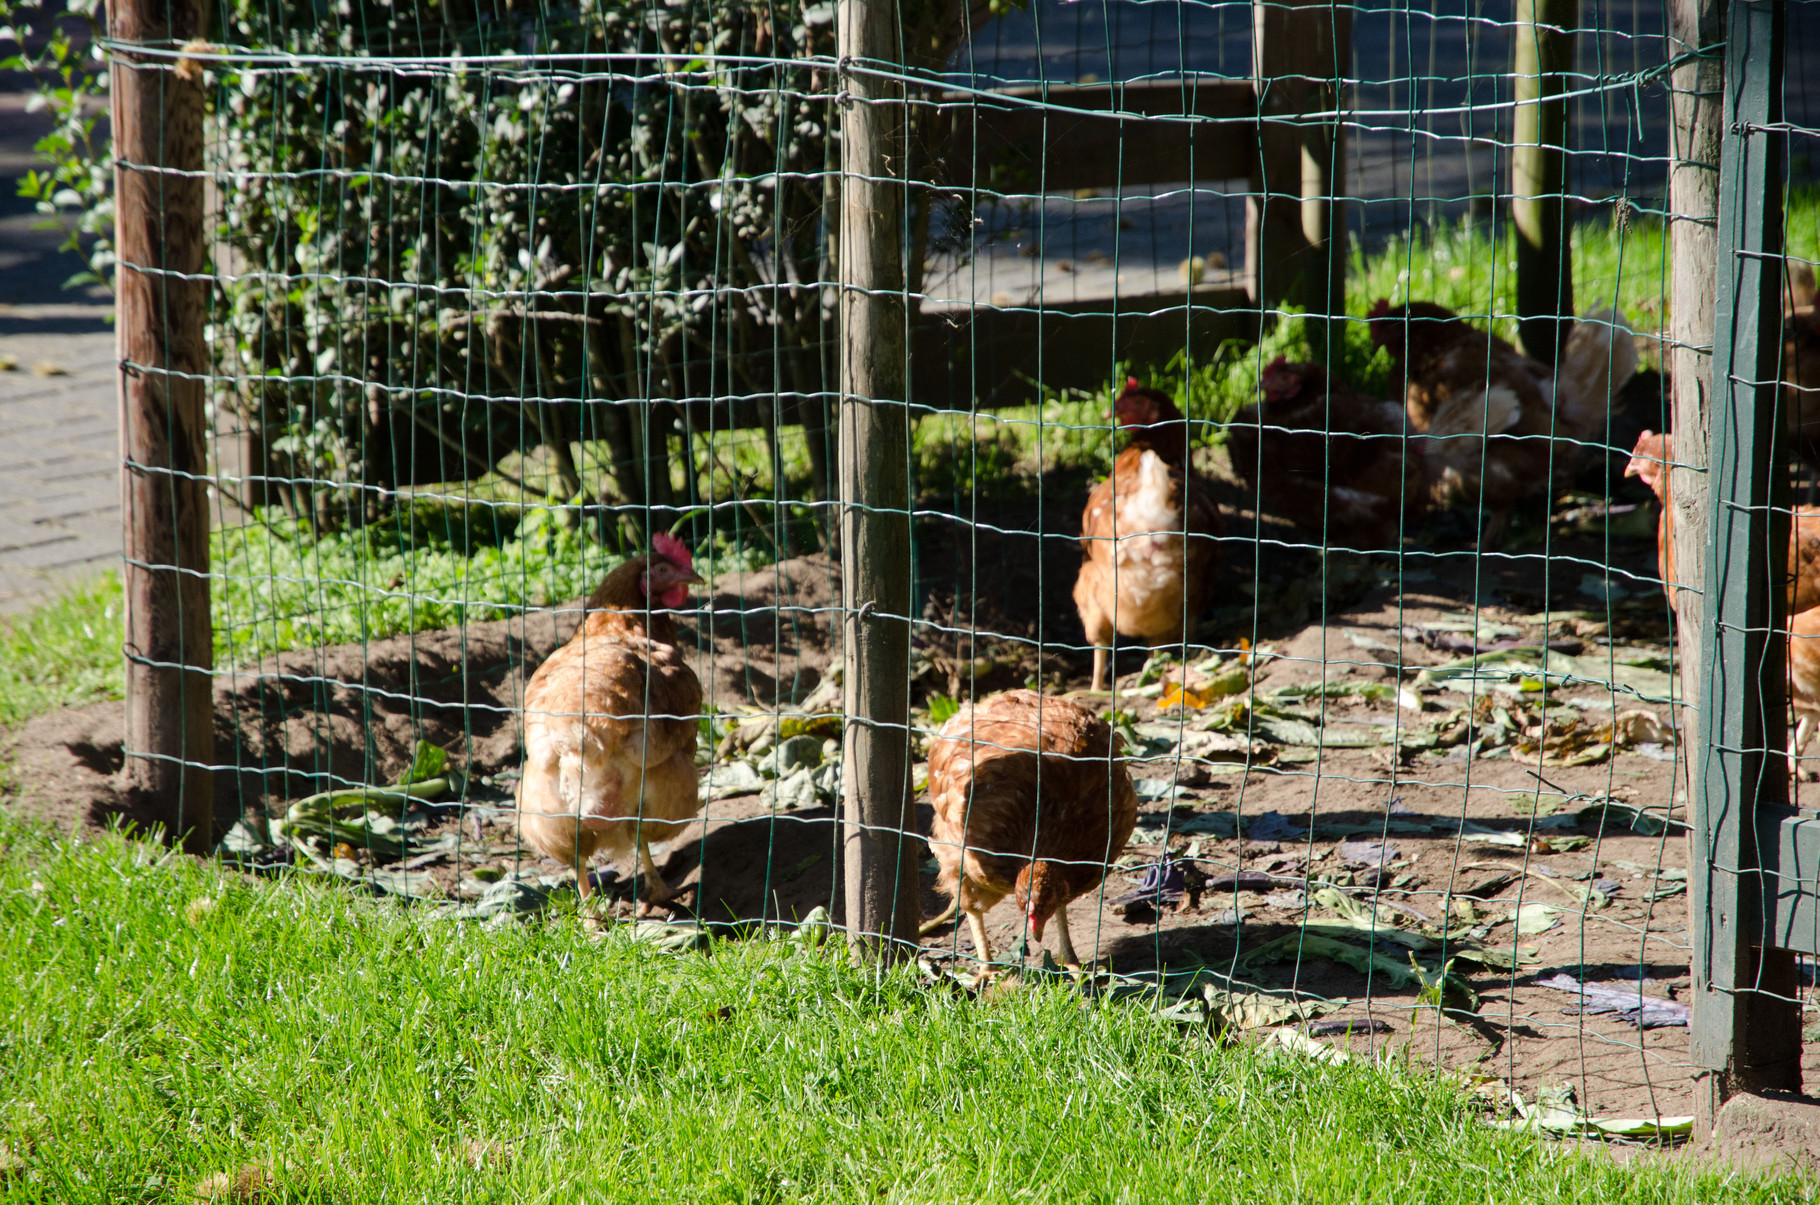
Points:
(657, 891)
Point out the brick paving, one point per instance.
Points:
(59, 451)
(59, 457)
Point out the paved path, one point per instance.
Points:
(59, 454)
(59, 459)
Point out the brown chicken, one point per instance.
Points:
(1803, 681)
(1650, 460)
(1500, 425)
(611, 723)
(1328, 458)
(1030, 800)
(1149, 534)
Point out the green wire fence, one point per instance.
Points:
(434, 316)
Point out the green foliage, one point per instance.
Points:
(378, 302)
(1232, 380)
(942, 708)
(170, 1021)
(64, 653)
(75, 189)
(426, 567)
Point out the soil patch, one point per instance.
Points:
(1616, 909)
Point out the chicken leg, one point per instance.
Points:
(1064, 942)
(657, 891)
(977, 922)
(1099, 669)
(933, 923)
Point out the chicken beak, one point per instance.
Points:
(688, 577)
(1036, 927)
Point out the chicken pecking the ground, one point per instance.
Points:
(1500, 425)
(611, 725)
(1149, 536)
(1329, 458)
(1650, 459)
(1030, 800)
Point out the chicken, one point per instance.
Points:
(1030, 800)
(611, 723)
(1650, 460)
(1149, 535)
(1501, 426)
(1329, 458)
(1803, 681)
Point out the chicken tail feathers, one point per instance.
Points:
(1599, 358)
(1486, 412)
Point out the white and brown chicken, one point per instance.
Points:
(611, 723)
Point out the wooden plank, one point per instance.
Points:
(158, 234)
(984, 357)
(1538, 172)
(878, 841)
(996, 143)
(1744, 1031)
(1695, 96)
(1791, 889)
(1294, 215)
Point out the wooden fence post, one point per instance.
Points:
(1538, 169)
(1693, 206)
(157, 126)
(1746, 1026)
(879, 864)
(1295, 230)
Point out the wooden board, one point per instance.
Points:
(1007, 143)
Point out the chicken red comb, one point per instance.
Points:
(1131, 382)
(672, 549)
(1278, 364)
(1381, 309)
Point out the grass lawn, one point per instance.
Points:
(63, 653)
(169, 1021)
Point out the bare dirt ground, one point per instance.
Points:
(1438, 830)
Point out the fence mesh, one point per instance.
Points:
(503, 295)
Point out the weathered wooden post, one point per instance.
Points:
(158, 199)
(879, 862)
(1538, 169)
(1693, 205)
(1746, 1018)
(1295, 230)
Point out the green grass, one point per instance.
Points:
(1471, 268)
(64, 653)
(360, 1050)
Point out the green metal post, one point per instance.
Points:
(1746, 1024)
